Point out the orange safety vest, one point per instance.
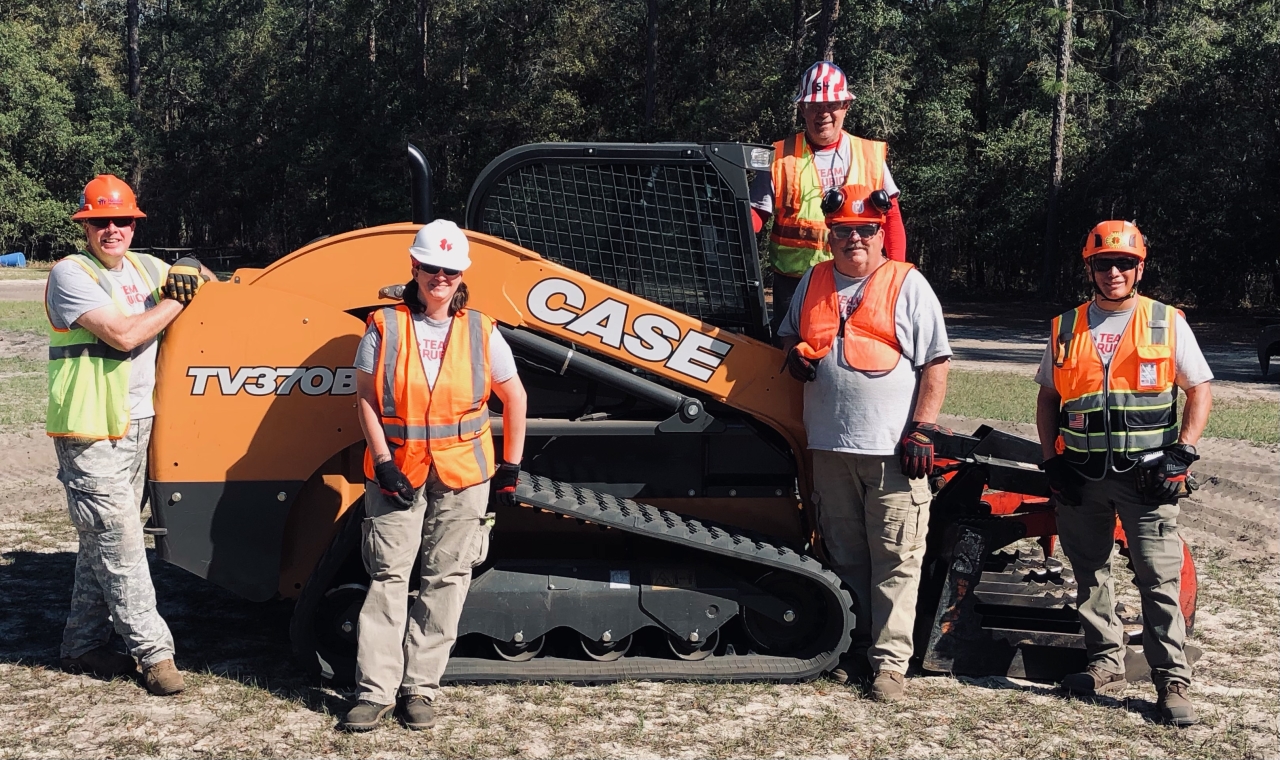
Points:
(447, 426)
(870, 334)
(1125, 408)
(799, 236)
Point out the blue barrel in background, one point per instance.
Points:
(16, 259)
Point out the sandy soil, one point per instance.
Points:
(21, 290)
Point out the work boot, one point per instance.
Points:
(365, 716)
(852, 668)
(417, 713)
(1174, 706)
(889, 686)
(163, 679)
(1093, 681)
(101, 662)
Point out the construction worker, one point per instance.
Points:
(866, 336)
(425, 370)
(106, 309)
(1112, 446)
(805, 167)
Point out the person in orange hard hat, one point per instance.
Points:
(805, 166)
(1113, 447)
(424, 373)
(866, 336)
(106, 309)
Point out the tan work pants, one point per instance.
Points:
(407, 650)
(873, 522)
(1088, 540)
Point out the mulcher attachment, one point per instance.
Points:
(985, 607)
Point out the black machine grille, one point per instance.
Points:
(667, 233)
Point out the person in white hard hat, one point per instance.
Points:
(808, 165)
(424, 372)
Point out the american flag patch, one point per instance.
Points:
(1075, 420)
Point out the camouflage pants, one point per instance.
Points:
(104, 482)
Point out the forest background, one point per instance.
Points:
(250, 127)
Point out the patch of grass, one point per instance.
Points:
(1012, 398)
(34, 270)
(23, 399)
(17, 365)
(23, 316)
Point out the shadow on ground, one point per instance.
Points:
(214, 631)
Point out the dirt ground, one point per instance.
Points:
(245, 697)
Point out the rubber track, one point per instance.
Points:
(623, 514)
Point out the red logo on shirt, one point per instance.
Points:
(1107, 342)
(133, 295)
(430, 349)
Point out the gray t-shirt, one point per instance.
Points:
(860, 412)
(1107, 328)
(430, 335)
(72, 293)
(833, 167)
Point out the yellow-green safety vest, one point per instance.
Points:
(88, 378)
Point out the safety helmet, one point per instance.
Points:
(441, 244)
(824, 82)
(107, 195)
(855, 203)
(1115, 237)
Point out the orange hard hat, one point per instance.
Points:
(107, 195)
(855, 203)
(1115, 237)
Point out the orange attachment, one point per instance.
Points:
(1115, 237)
(446, 425)
(107, 195)
(870, 335)
(856, 206)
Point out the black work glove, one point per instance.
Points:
(184, 280)
(802, 369)
(395, 486)
(917, 449)
(1064, 483)
(1165, 476)
(503, 485)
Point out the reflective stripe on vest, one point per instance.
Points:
(88, 378)
(446, 426)
(1115, 412)
(798, 239)
(870, 334)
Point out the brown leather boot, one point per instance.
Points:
(889, 686)
(1175, 707)
(101, 662)
(163, 679)
(1093, 681)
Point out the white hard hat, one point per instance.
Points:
(824, 82)
(441, 244)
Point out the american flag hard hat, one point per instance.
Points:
(824, 82)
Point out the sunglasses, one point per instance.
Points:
(1122, 263)
(845, 231)
(101, 224)
(433, 271)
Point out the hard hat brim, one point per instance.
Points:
(440, 259)
(102, 213)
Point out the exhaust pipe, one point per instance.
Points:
(420, 185)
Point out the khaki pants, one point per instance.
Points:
(104, 482)
(402, 649)
(1087, 533)
(873, 522)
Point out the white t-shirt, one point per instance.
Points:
(430, 335)
(860, 412)
(832, 164)
(1107, 328)
(72, 293)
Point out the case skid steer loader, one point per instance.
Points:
(665, 528)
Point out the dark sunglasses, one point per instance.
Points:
(433, 271)
(1123, 263)
(845, 231)
(101, 223)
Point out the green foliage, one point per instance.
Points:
(264, 124)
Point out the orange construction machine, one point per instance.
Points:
(665, 530)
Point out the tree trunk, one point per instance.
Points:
(827, 42)
(373, 31)
(1117, 51)
(424, 28)
(799, 29)
(309, 55)
(132, 13)
(651, 66)
(1048, 278)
